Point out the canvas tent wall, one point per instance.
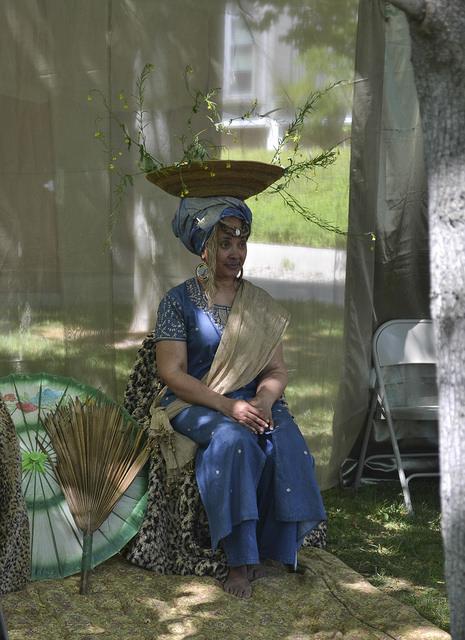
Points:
(390, 278)
(72, 305)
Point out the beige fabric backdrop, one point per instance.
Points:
(71, 306)
(390, 278)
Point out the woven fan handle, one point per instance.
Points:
(86, 561)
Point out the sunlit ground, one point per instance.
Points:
(368, 530)
(325, 600)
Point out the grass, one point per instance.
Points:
(371, 532)
(80, 349)
(325, 194)
(313, 351)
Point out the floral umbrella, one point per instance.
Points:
(56, 542)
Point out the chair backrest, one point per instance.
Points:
(405, 363)
(404, 342)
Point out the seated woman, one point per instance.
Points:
(219, 352)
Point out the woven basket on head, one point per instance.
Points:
(238, 178)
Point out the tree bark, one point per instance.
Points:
(438, 52)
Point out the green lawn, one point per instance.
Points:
(313, 352)
(326, 194)
(368, 530)
(371, 532)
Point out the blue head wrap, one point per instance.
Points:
(196, 217)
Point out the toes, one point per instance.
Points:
(255, 572)
(244, 592)
(238, 590)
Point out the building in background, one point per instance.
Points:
(264, 62)
(258, 64)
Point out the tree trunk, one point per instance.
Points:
(438, 50)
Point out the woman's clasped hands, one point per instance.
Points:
(255, 414)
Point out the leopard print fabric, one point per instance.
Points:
(174, 537)
(14, 524)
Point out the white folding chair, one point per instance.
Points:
(404, 389)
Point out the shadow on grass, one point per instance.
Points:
(368, 530)
(328, 600)
(75, 345)
(371, 532)
(80, 346)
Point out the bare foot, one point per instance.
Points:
(237, 583)
(256, 571)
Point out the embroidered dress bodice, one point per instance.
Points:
(184, 315)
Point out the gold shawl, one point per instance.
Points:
(255, 326)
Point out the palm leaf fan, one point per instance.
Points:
(99, 450)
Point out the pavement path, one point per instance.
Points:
(297, 273)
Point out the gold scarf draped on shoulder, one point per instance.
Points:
(255, 326)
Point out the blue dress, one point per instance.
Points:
(259, 491)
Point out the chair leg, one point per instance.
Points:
(400, 468)
(366, 438)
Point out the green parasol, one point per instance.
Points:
(56, 542)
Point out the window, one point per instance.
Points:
(238, 59)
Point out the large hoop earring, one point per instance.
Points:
(202, 272)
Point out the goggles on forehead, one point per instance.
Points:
(235, 232)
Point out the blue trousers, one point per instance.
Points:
(253, 541)
(259, 504)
